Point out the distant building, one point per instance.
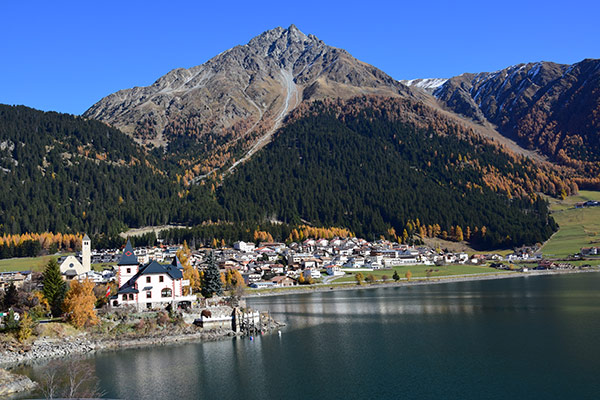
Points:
(243, 246)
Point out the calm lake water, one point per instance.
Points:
(534, 337)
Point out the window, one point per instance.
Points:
(149, 294)
(161, 278)
(166, 292)
(128, 270)
(147, 279)
(124, 297)
(130, 296)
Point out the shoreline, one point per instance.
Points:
(46, 349)
(334, 287)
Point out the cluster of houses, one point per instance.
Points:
(278, 264)
(281, 265)
(589, 203)
(152, 276)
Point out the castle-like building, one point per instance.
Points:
(152, 285)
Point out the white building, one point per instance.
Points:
(243, 246)
(72, 266)
(149, 286)
(334, 270)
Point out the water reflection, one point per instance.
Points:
(512, 338)
(301, 311)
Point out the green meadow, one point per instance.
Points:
(579, 227)
(419, 271)
(25, 264)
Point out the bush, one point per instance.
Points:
(162, 318)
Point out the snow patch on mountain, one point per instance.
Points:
(428, 84)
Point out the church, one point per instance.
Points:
(73, 266)
(152, 285)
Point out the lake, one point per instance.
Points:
(533, 337)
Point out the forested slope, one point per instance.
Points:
(65, 174)
(366, 171)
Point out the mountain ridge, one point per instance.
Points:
(544, 106)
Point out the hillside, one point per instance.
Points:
(367, 164)
(548, 107)
(63, 173)
(359, 166)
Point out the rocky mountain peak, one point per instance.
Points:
(244, 92)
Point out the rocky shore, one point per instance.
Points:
(12, 383)
(47, 348)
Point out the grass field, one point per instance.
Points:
(37, 264)
(25, 264)
(579, 227)
(418, 271)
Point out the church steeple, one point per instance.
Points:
(86, 253)
(128, 266)
(128, 257)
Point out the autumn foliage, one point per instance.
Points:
(79, 304)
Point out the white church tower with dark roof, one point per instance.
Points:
(86, 253)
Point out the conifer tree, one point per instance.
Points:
(10, 297)
(54, 287)
(212, 284)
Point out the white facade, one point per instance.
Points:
(149, 286)
(243, 246)
(71, 267)
(334, 270)
(154, 289)
(86, 253)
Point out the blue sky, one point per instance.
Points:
(66, 55)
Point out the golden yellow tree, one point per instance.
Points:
(25, 328)
(79, 304)
(189, 272)
(408, 275)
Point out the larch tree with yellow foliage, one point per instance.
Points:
(79, 304)
(189, 272)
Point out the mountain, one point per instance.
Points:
(551, 108)
(244, 92)
(341, 144)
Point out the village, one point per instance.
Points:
(272, 264)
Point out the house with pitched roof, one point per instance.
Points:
(151, 285)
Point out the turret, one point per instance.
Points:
(128, 265)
